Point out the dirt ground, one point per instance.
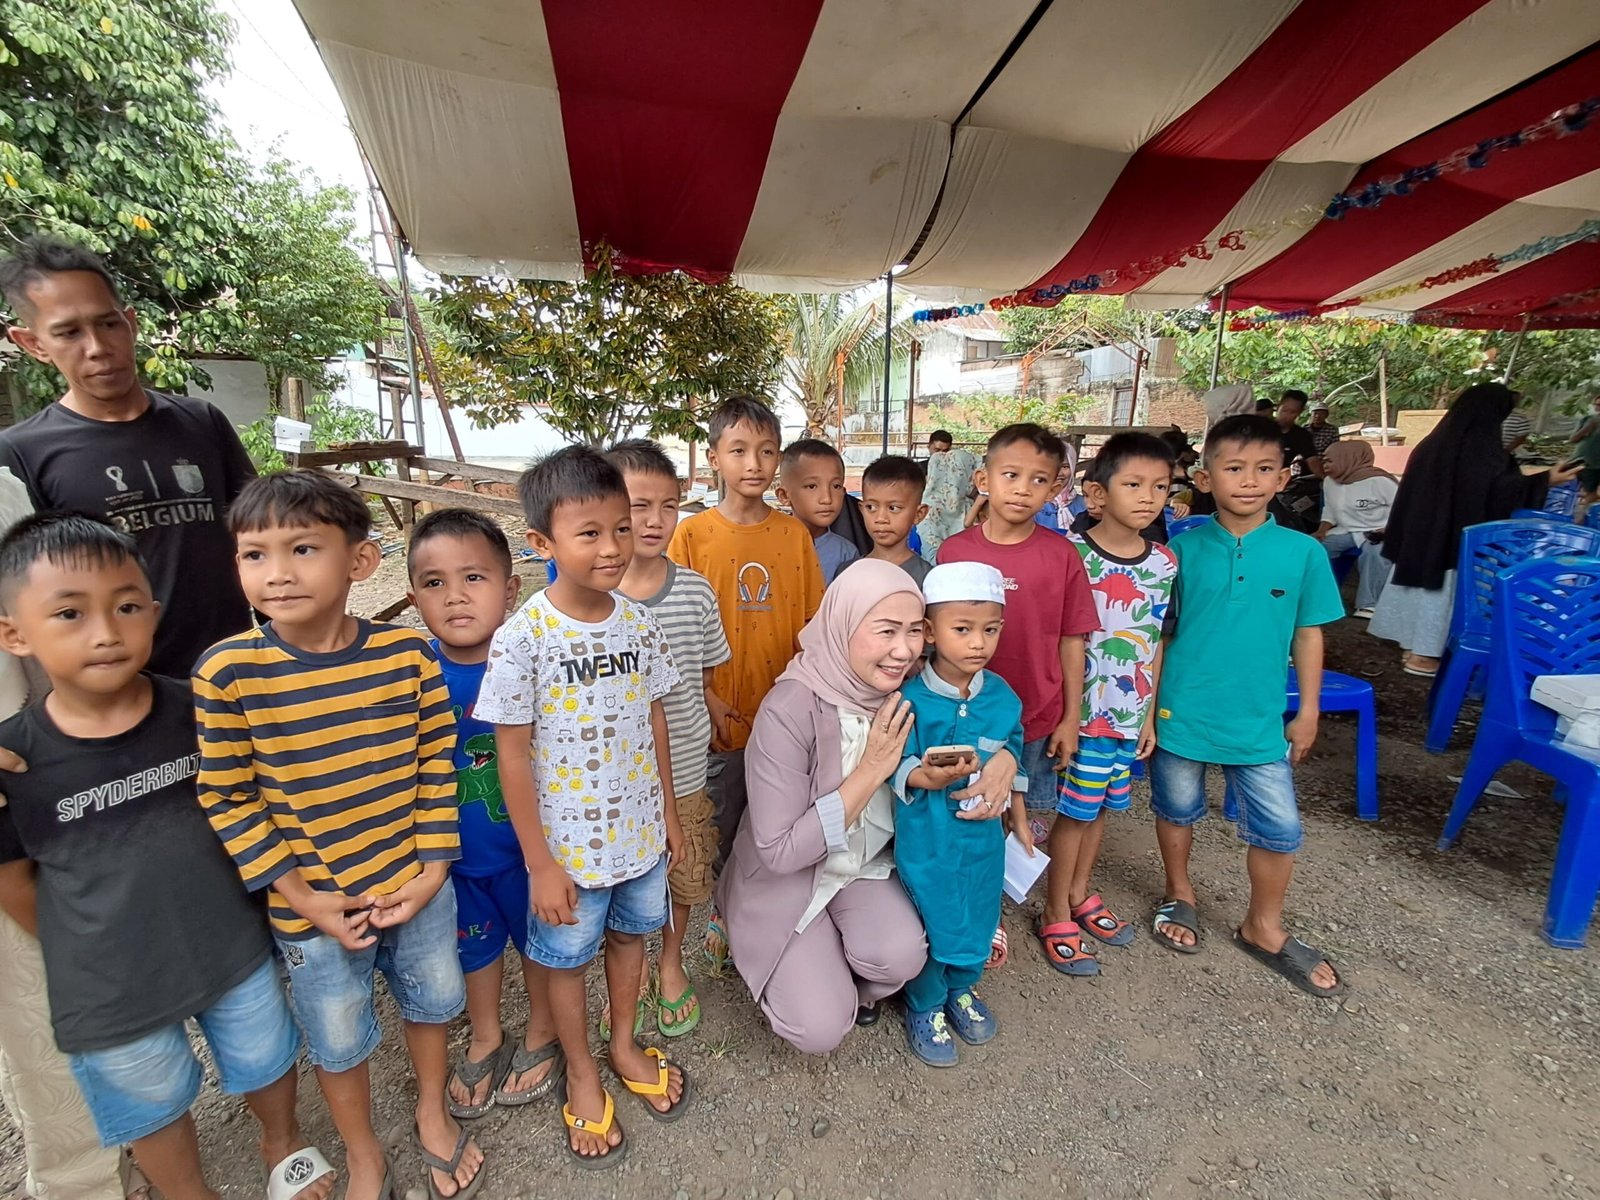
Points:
(1462, 1064)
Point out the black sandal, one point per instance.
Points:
(1295, 962)
(471, 1074)
(523, 1061)
(1179, 913)
(464, 1191)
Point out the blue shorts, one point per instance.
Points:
(135, 1089)
(491, 910)
(1097, 777)
(638, 906)
(1040, 769)
(330, 988)
(1269, 818)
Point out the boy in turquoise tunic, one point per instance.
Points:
(950, 854)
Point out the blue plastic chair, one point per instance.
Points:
(1184, 524)
(1340, 693)
(1546, 622)
(1537, 514)
(1486, 550)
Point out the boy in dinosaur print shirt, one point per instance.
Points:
(463, 585)
(1131, 579)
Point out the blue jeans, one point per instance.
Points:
(635, 906)
(330, 988)
(1374, 568)
(1043, 780)
(1269, 817)
(138, 1088)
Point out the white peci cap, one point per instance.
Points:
(964, 581)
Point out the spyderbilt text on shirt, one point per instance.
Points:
(117, 791)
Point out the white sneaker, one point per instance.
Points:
(1364, 613)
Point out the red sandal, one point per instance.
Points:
(1063, 948)
(1099, 921)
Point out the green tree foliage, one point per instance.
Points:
(330, 423)
(818, 329)
(973, 418)
(1426, 366)
(1084, 322)
(606, 355)
(107, 138)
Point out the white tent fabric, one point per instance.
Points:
(809, 144)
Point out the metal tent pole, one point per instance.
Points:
(1222, 323)
(888, 349)
(1511, 359)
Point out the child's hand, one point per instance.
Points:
(674, 839)
(552, 894)
(346, 919)
(1302, 735)
(407, 900)
(1180, 510)
(1147, 737)
(935, 779)
(723, 715)
(1017, 818)
(1063, 743)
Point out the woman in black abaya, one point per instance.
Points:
(1458, 475)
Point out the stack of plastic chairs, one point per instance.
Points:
(1546, 622)
(1486, 550)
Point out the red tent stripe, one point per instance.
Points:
(668, 112)
(1336, 256)
(1503, 297)
(1182, 182)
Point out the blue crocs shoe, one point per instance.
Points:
(970, 1018)
(928, 1035)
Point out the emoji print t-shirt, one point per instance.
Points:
(587, 690)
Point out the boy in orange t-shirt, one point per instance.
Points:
(764, 570)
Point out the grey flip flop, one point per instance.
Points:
(471, 1074)
(448, 1167)
(1181, 914)
(523, 1061)
(1295, 962)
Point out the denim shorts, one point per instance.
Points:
(1269, 818)
(491, 910)
(330, 988)
(1097, 777)
(143, 1086)
(1043, 779)
(637, 906)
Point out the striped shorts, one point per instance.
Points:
(1096, 777)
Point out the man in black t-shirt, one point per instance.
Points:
(1303, 496)
(107, 857)
(161, 468)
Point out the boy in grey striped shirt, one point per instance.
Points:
(684, 605)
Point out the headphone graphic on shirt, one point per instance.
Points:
(763, 588)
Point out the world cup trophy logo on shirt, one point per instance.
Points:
(115, 475)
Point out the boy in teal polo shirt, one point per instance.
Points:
(1250, 596)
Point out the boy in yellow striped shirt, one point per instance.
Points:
(326, 769)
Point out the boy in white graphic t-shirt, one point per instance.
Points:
(574, 688)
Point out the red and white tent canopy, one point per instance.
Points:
(1014, 144)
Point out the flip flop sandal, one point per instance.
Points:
(718, 953)
(1039, 831)
(641, 1016)
(448, 1166)
(1063, 948)
(470, 1074)
(671, 1008)
(658, 1087)
(1100, 922)
(1294, 962)
(1181, 915)
(600, 1129)
(999, 949)
(300, 1170)
(525, 1060)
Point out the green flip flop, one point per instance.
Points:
(666, 1009)
(641, 1017)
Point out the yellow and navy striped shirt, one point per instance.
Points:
(337, 764)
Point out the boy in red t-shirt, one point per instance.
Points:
(1049, 611)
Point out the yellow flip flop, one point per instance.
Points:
(659, 1087)
(600, 1129)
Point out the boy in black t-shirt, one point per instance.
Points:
(107, 856)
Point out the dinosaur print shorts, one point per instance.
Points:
(1097, 777)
